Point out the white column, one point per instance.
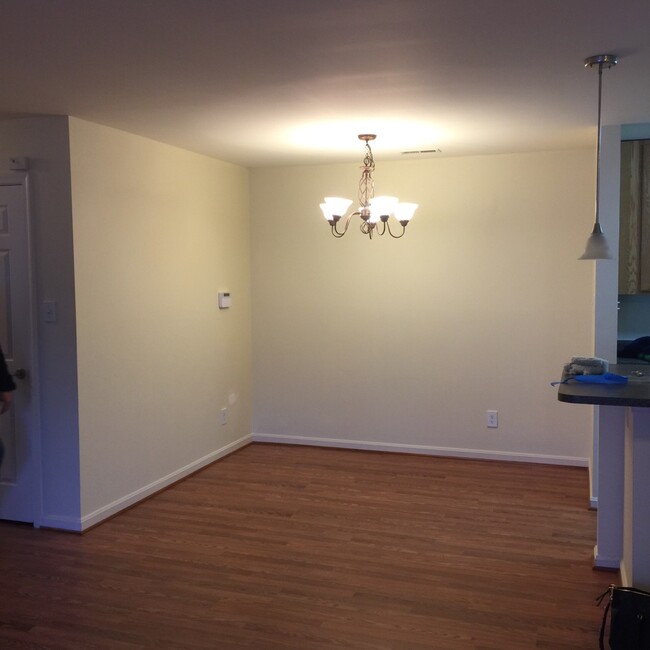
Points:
(635, 565)
(611, 453)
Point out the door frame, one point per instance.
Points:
(33, 415)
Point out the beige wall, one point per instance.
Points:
(404, 344)
(158, 232)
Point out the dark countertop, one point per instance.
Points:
(635, 393)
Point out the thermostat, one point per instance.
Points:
(224, 300)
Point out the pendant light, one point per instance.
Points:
(597, 247)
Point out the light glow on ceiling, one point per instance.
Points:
(393, 136)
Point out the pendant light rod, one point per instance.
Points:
(600, 60)
(597, 247)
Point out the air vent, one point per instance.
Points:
(415, 152)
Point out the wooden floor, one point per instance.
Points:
(280, 547)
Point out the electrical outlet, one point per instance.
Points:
(223, 415)
(492, 419)
(49, 311)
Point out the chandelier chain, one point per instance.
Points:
(366, 183)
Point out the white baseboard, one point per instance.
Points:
(72, 524)
(429, 450)
(78, 525)
(93, 518)
(626, 578)
(604, 562)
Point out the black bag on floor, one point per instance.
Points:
(629, 626)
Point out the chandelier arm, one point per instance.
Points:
(390, 232)
(336, 232)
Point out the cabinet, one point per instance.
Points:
(634, 234)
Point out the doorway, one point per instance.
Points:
(19, 473)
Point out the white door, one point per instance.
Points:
(18, 471)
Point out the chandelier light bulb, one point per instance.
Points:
(334, 207)
(405, 211)
(383, 205)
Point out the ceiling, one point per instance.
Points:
(268, 82)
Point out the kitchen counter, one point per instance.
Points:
(622, 470)
(635, 393)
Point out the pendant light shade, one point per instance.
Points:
(597, 247)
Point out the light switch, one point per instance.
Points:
(224, 300)
(18, 163)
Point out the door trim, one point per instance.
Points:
(21, 179)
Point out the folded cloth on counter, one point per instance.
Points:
(586, 366)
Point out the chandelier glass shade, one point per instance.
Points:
(597, 247)
(374, 211)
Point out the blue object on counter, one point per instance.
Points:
(605, 378)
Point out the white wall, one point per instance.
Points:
(606, 271)
(158, 231)
(404, 344)
(606, 279)
(44, 140)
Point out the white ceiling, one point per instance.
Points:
(265, 82)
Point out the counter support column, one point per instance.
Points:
(611, 445)
(635, 565)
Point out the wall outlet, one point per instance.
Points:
(49, 311)
(492, 419)
(223, 415)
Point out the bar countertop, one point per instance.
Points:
(635, 393)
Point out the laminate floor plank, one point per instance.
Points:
(279, 547)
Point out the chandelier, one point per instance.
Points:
(597, 247)
(374, 211)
